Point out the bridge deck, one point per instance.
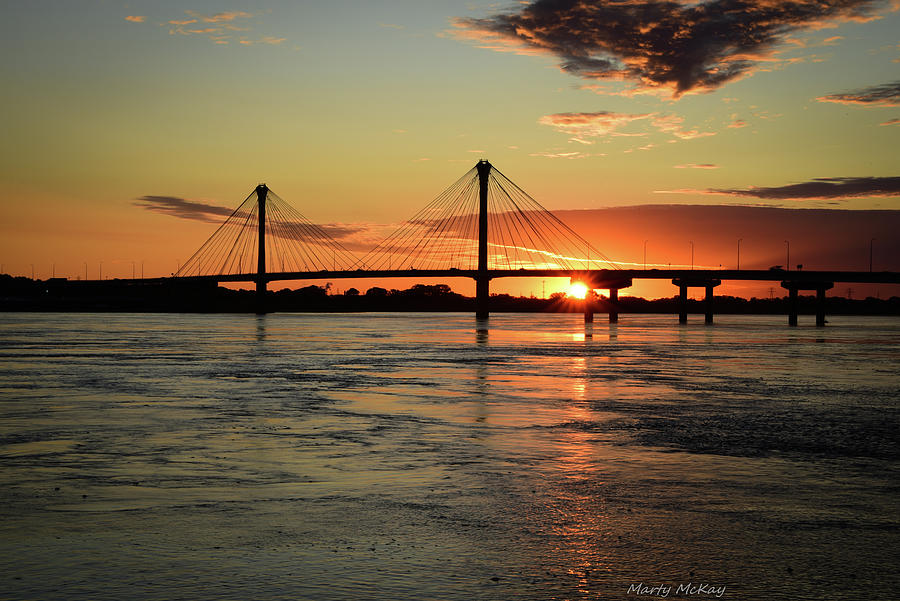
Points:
(768, 275)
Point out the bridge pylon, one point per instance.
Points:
(261, 193)
(482, 280)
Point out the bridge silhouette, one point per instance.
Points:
(482, 227)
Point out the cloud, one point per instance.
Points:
(336, 231)
(185, 209)
(883, 95)
(693, 133)
(662, 46)
(603, 123)
(135, 18)
(225, 17)
(891, 122)
(672, 124)
(221, 28)
(563, 155)
(825, 188)
(353, 236)
(737, 124)
(821, 238)
(697, 166)
(358, 236)
(600, 123)
(264, 40)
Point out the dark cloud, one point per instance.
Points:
(323, 237)
(354, 236)
(675, 46)
(884, 95)
(340, 231)
(832, 239)
(826, 188)
(186, 209)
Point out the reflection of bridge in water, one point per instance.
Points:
(482, 227)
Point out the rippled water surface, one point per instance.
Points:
(427, 456)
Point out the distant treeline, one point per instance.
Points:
(172, 295)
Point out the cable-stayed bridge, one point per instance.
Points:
(483, 226)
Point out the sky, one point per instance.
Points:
(132, 128)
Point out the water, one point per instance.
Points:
(424, 456)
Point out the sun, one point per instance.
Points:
(577, 290)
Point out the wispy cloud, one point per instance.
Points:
(604, 123)
(891, 122)
(671, 47)
(600, 123)
(224, 17)
(223, 28)
(697, 166)
(353, 236)
(136, 18)
(564, 155)
(180, 207)
(882, 95)
(272, 41)
(673, 124)
(824, 188)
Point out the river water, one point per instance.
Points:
(430, 456)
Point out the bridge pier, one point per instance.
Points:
(482, 297)
(595, 282)
(792, 306)
(613, 305)
(682, 303)
(793, 299)
(683, 285)
(708, 305)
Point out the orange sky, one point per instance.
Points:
(820, 239)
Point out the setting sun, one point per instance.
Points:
(577, 290)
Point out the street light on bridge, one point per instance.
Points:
(787, 265)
